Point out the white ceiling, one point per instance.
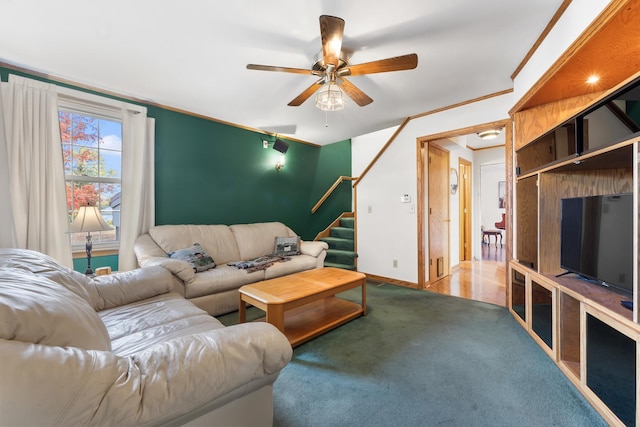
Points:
(192, 55)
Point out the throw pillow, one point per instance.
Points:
(286, 246)
(196, 256)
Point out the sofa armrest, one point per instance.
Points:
(313, 248)
(182, 269)
(145, 248)
(85, 387)
(130, 286)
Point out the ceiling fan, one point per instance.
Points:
(333, 67)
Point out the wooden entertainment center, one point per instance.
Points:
(561, 150)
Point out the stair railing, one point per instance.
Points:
(331, 189)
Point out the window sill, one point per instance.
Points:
(81, 253)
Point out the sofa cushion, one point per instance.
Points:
(137, 326)
(34, 309)
(217, 239)
(294, 265)
(256, 240)
(220, 279)
(196, 256)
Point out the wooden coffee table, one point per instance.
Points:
(309, 300)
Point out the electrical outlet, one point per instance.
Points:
(395, 263)
(265, 143)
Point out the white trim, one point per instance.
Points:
(89, 100)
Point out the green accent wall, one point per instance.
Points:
(80, 264)
(208, 172)
(211, 173)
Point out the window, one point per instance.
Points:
(92, 156)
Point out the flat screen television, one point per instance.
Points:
(596, 239)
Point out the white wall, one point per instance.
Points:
(387, 229)
(364, 148)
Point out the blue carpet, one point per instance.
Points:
(424, 359)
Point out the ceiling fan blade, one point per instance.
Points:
(298, 100)
(331, 32)
(358, 96)
(397, 63)
(281, 69)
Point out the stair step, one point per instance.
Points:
(337, 256)
(339, 243)
(348, 222)
(343, 266)
(342, 232)
(341, 253)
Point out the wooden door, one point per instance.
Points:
(438, 212)
(464, 186)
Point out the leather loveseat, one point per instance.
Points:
(216, 290)
(124, 350)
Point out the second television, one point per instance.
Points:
(596, 239)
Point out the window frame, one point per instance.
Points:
(90, 106)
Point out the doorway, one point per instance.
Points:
(451, 141)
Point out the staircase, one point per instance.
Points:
(341, 245)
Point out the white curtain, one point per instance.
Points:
(138, 188)
(33, 212)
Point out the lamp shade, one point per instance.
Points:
(329, 98)
(88, 219)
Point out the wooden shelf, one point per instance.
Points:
(574, 304)
(311, 320)
(604, 297)
(617, 156)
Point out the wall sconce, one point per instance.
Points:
(281, 147)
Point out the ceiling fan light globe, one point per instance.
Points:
(329, 98)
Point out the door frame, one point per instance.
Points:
(421, 203)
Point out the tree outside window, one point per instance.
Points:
(92, 153)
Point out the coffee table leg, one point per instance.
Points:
(242, 311)
(275, 316)
(364, 298)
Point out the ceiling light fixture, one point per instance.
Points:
(489, 134)
(593, 79)
(329, 97)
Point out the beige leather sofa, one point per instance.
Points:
(216, 290)
(124, 350)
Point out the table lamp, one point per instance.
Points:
(87, 220)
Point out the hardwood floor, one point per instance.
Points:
(476, 280)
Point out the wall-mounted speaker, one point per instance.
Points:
(280, 146)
